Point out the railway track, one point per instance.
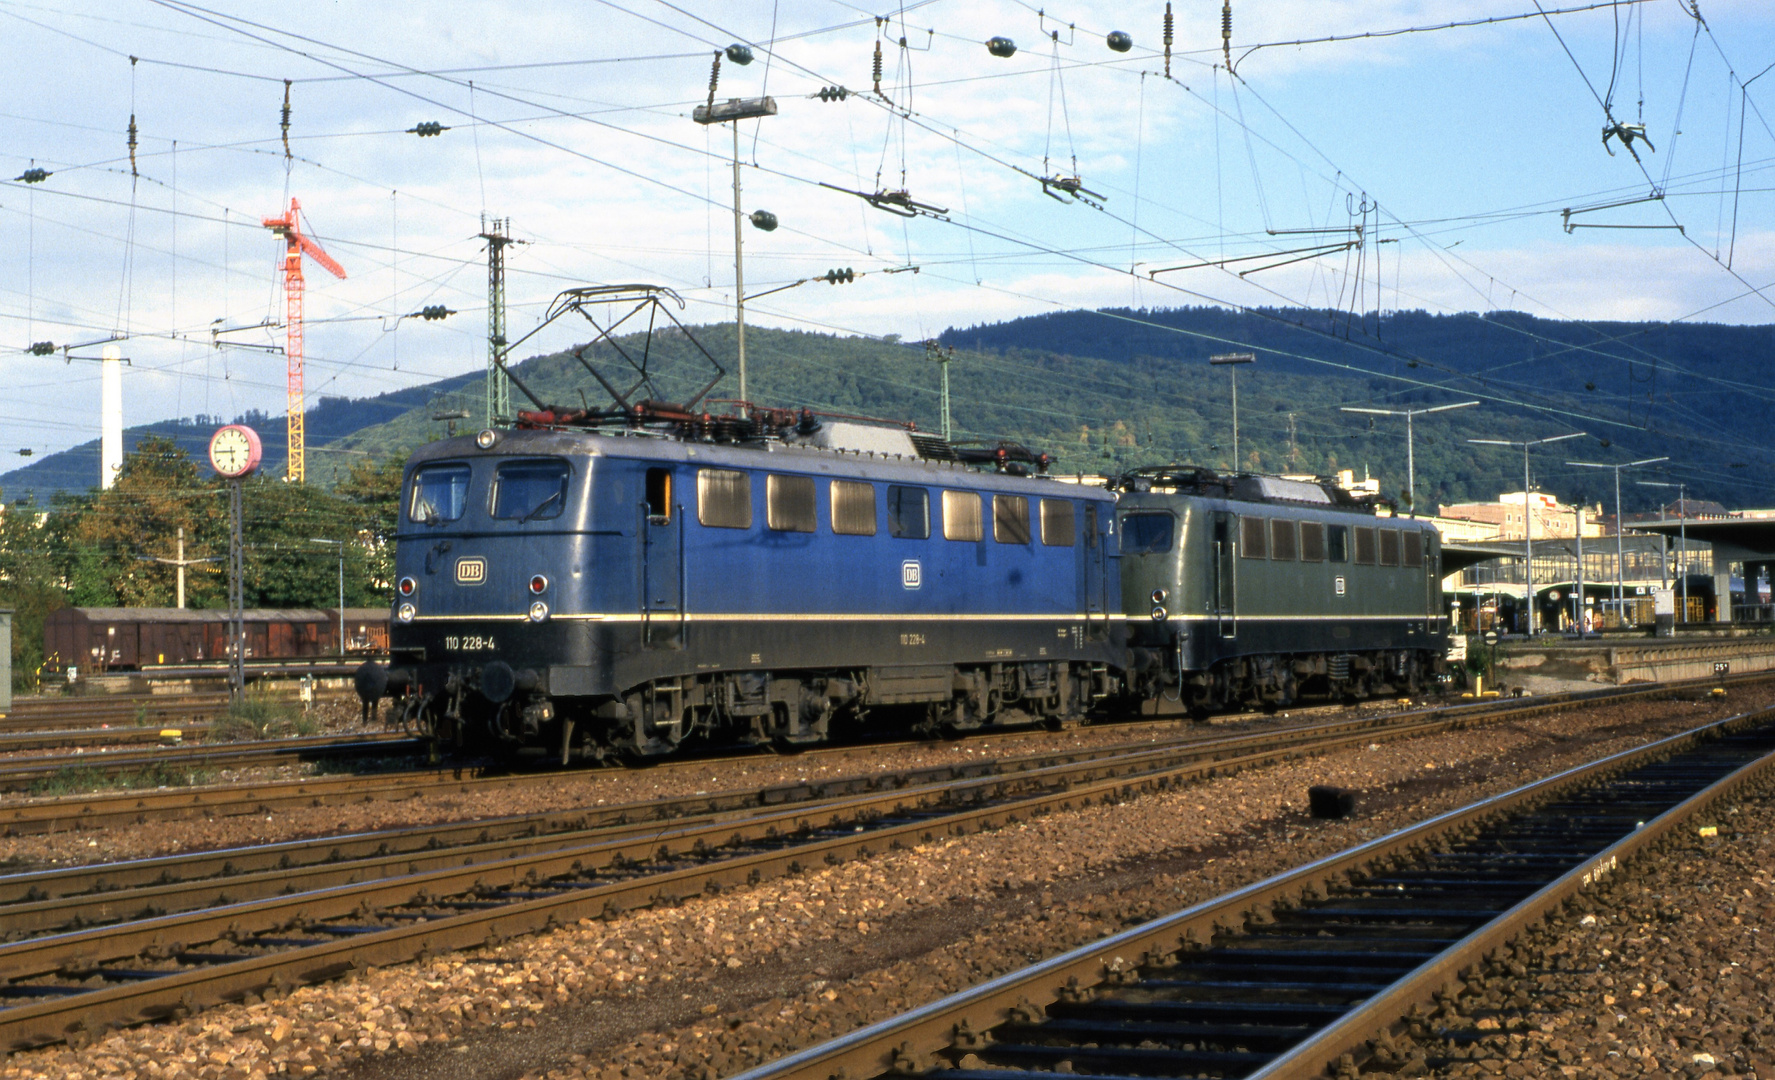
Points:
(278, 915)
(104, 809)
(22, 774)
(1310, 973)
(116, 712)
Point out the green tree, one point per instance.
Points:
(31, 583)
(122, 532)
(373, 493)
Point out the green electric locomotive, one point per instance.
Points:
(1249, 591)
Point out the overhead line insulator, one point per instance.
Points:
(840, 277)
(427, 127)
(434, 312)
(833, 93)
(285, 125)
(1168, 28)
(43, 348)
(33, 176)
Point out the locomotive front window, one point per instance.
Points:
(1337, 543)
(1251, 537)
(1282, 540)
(1312, 541)
(1389, 547)
(530, 490)
(961, 516)
(724, 499)
(1058, 529)
(853, 508)
(909, 512)
(1147, 534)
(440, 493)
(789, 503)
(1010, 519)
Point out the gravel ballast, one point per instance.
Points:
(720, 983)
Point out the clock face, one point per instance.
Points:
(235, 450)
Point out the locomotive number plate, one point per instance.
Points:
(469, 643)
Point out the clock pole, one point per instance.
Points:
(237, 672)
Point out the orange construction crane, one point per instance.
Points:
(297, 245)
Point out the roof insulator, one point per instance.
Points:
(764, 220)
(1001, 47)
(427, 127)
(739, 54)
(1121, 41)
(34, 176)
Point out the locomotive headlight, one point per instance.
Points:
(539, 584)
(539, 611)
(486, 439)
(407, 585)
(1158, 596)
(406, 612)
(1159, 613)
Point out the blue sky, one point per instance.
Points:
(1463, 143)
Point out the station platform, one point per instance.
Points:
(1551, 663)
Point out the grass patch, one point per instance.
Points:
(81, 779)
(254, 718)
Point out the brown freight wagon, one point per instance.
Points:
(112, 639)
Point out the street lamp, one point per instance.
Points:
(1411, 469)
(1682, 540)
(733, 110)
(1528, 520)
(1620, 557)
(340, 544)
(1230, 361)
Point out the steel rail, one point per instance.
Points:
(104, 810)
(906, 1043)
(62, 738)
(536, 904)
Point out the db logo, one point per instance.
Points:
(911, 574)
(471, 571)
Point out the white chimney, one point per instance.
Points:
(111, 417)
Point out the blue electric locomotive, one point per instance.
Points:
(588, 592)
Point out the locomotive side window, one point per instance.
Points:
(961, 516)
(909, 512)
(1010, 519)
(1337, 543)
(1365, 545)
(1414, 548)
(1251, 537)
(724, 498)
(853, 508)
(1057, 523)
(530, 490)
(1147, 534)
(789, 503)
(1312, 541)
(659, 496)
(1389, 547)
(440, 493)
(1282, 540)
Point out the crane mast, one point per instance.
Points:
(297, 245)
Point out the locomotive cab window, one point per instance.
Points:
(440, 493)
(1251, 537)
(789, 503)
(1365, 545)
(1412, 548)
(724, 498)
(853, 508)
(530, 490)
(961, 516)
(659, 496)
(909, 512)
(1010, 519)
(1282, 540)
(1337, 543)
(1312, 541)
(1148, 533)
(1057, 523)
(1389, 547)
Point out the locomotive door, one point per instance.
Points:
(662, 564)
(1096, 614)
(1223, 584)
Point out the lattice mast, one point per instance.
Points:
(499, 386)
(297, 245)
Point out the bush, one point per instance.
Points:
(253, 718)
